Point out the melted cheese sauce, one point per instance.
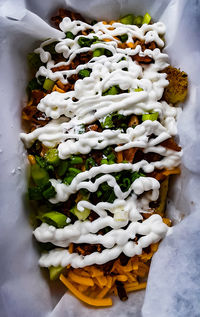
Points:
(85, 105)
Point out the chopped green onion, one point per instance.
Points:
(52, 157)
(85, 42)
(138, 89)
(69, 35)
(104, 161)
(114, 90)
(41, 79)
(136, 175)
(99, 193)
(123, 38)
(85, 193)
(81, 215)
(105, 187)
(81, 128)
(49, 192)
(138, 20)
(50, 168)
(107, 229)
(55, 271)
(62, 167)
(48, 84)
(98, 52)
(84, 73)
(107, 151)
(39, 175)
(126, 183)
(67, 180)
(127, 19)
(51, 48)
(150, 116)
(34, 60)
(108, 53)
(111, 162)
(76, 160)
(40, 161)
(74, 171)
(54, 218)
(123, 126)
(107, 123)
(111, 197)
(35, 193)
(33, 84)
(111, 157)
(146, 18)
(94, 22)
(90, 162)
(46, 246)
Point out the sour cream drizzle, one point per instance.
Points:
(87, 104)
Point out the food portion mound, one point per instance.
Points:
(101, 130)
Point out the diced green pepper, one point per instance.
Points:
(48, 84)
(150, 116)
(146, 18)
(69, 35)
(138, 20)
(54, 218)
(55, 271)
(98, 52)
(84, 73)
(39, 175)
(81, 215)
(52, 157)
(127, 19)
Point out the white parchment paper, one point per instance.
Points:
(174, 280)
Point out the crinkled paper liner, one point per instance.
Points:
(174, 281)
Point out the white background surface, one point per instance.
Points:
(174, 281)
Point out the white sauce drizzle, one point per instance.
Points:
(127, 209)
(116, 241)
